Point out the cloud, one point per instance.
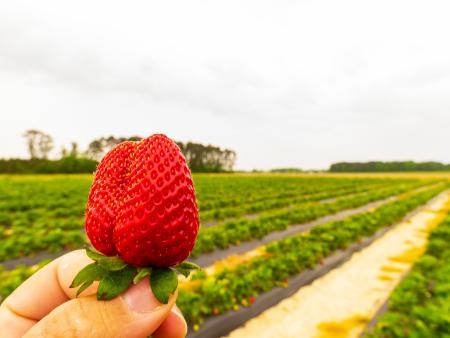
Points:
(304, 78)
(214, 75)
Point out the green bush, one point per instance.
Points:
(66, 165)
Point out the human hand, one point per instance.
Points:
(45, 306)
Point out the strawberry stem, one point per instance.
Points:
(115, 276)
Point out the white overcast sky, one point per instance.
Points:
(284, 83)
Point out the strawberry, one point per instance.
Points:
(142, 213)
(142, 204)
(103, 207)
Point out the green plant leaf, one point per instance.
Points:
(142, 273)
(83, 287)
(109, 263)
(94, 255)
(185, 268)
(88, 274)
(112, 263)
(115, 282)
(163, 281)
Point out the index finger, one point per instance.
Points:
(43, 291)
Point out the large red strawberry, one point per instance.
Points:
(142, 208)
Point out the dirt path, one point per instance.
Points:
(341, 303)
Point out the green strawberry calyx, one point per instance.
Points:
(115, 276)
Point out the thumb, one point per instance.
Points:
(134, 314)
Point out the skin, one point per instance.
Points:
(45, 306)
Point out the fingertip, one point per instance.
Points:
(174, 326)
(150, 317)
(140, 298)
(42, 292)
(68, 267)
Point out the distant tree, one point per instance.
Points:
(229, 159)
(110, 142)
(74, 149)
(378, 166)
(31, 137)
(95, 150)
(41, 166)
(207, 158)
(286, 170)
(134, 138)
(99, 147)
(64, 152)
(39, 144)
(45, 145)
(201, 158)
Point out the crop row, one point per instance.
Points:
(24, 200)
(307, 250)
(231, 288)
(285, 199)
(237, 231)
(36, 240)
(214, 193)
(42, 234)
(33, 230)
(21, 193)
(10, 280)
(20, 215)
(420, 305)
(314, 247)
(57, 239)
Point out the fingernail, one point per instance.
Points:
(140, 299)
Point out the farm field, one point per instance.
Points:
(345, 300)
(258, 232)
(420, 305)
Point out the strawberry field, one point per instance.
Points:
(420, 306)
(259, 234)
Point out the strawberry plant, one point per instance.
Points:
(420, 305)
(45, 213)
(34, 209)
(237, 231)
(290, 256)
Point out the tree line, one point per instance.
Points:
(200, 157)
(394, 166)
